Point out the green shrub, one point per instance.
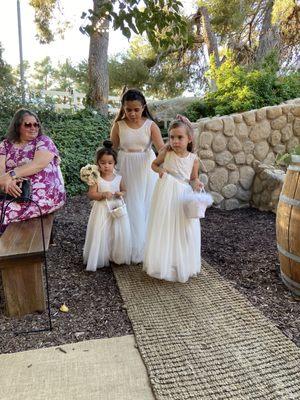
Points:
(76, 135)
(240, 89)
(286, 159)
(196, 110)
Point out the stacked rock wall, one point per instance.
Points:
(230, 147)
(266, 186)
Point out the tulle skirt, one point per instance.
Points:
(107, 238)
(173, 241)
(139, 180)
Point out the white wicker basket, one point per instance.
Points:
(195, 204)
(118, 211)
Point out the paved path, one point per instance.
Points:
(104, 369)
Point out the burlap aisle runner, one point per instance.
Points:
(204, 340)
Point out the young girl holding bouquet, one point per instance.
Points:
(172, 249)
(107, 238)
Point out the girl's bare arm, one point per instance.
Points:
(93, 194)
(114, 136)
(194, 179)
(122, 191)
(156, 137)
(156, 164)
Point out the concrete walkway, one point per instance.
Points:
(104, 369)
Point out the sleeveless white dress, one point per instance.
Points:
(134, 163)
(107, 238)
(173, 241)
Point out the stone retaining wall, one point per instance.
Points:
(229, 148)
(267, 185)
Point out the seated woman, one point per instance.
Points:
(27, 153)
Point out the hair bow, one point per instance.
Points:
(185, 120)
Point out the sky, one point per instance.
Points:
(74, 46)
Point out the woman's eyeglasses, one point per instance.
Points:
(31, 125)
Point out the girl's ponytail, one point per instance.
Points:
(106, 149)
(107, 144)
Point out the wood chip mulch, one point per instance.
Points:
(240, 244)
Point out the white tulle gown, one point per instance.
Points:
(134, 163)
(107, 238)
(173, 241)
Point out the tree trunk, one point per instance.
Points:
(97, 96)
(209, 36)
(204, 30)
(269, 38)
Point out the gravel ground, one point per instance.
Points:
(240, 244)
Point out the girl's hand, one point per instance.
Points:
(166, 147)
(161, 172)
(107, 195)
(119, 194)
(197, 185)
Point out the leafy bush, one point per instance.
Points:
(286, 159)
(76, 136)
(240, 89)
(200, 109)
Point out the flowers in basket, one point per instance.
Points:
(196, 203)
(89, 174)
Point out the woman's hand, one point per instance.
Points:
(13, 188)
(5, 180)
(10, 185)
(197, 185)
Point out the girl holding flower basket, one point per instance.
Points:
(108, 236)
(173, 241)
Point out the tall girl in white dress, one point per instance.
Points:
(133, 133)
(107, 238)
(173, 242)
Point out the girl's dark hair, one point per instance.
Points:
(13, 134)
(106, 149)
(132, 95)
(177, 123)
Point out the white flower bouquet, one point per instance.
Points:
(90, 174)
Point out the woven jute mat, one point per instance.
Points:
(102, 369)
(203, 340)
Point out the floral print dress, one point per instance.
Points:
(47, 185)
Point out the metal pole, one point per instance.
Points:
(21, 53)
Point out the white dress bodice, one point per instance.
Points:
(179, 166)
(109, 186)
(135, 140)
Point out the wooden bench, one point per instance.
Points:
(21, 260)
